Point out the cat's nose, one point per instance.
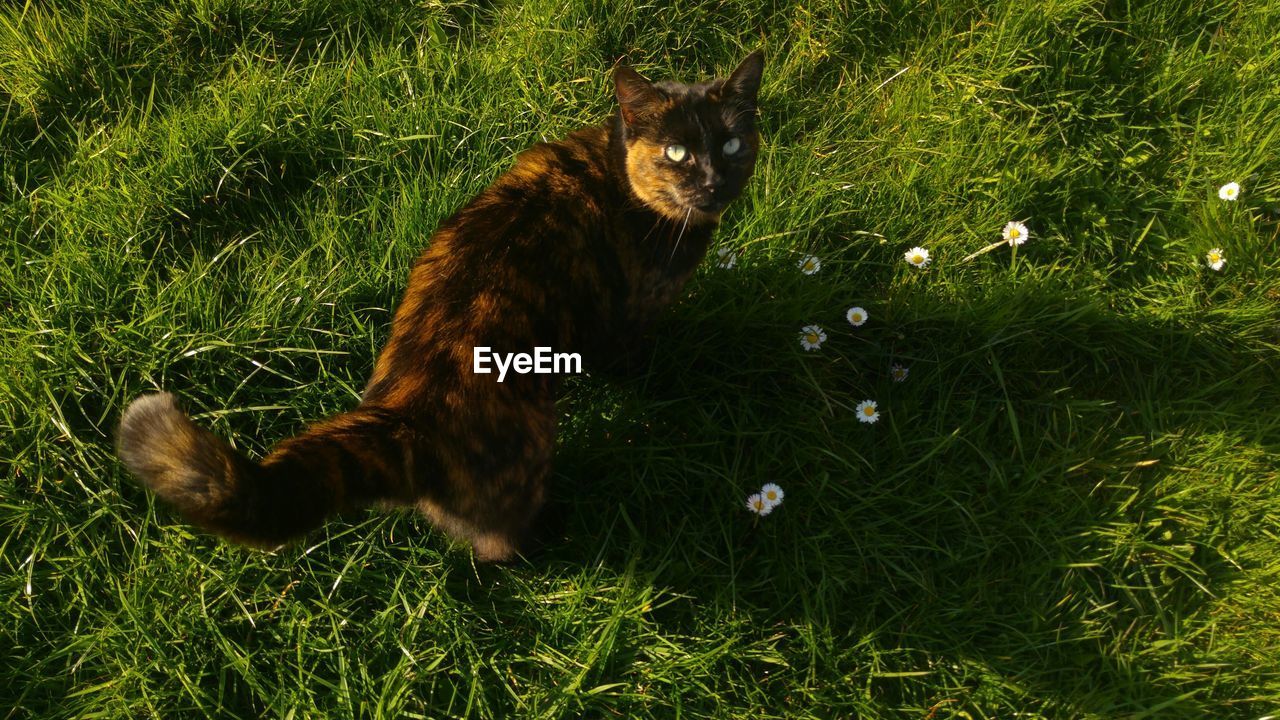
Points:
(712, 182)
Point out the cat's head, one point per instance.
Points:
(690, 148)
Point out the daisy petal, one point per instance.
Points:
(917, 256)
(758, 505)
(868, 411)
(772, 494)
(812, 337)
(1015, 233)
(1215, 259)
(726, 258)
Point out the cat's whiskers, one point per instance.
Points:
(683, 225)
(660, 224)
(652, 229)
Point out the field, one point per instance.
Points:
(1069, 509)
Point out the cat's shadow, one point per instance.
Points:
(623, 504)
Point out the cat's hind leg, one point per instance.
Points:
(496, 534)
(491, 494)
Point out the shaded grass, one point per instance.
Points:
(1068, 510)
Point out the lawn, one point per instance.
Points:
(1069, 509)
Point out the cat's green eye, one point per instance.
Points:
(676, 153)
(732, 145)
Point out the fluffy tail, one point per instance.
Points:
(351, 460)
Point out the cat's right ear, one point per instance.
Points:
(744, 83)
(636, 96)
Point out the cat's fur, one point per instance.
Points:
(575, 248)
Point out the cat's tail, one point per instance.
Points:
(350, 460)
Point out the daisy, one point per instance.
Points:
(758, 505)
(918, 256)
(867, 411)
(1230, 191)
(726, 258)
(772, 494)
(1015, 233)
(812, 337)
(810, 264)
(899, 373)
(856, 316)
(1215, 259)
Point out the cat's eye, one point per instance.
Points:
(676, 153)
(732, 146)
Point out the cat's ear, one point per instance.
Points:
(636, 95)
(744, 83)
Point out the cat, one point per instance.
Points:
(576, 248)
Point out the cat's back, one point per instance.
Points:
(508, 268)
(534, 233)
(560, 185)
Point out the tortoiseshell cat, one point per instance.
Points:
(575, 248)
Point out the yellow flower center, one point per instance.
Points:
(812, 338)
(1013, 233)
(808, 265)
(869, 410)
(917, 258)
(857, 317)
(1214, 257)
(759, 504)
(772, 495)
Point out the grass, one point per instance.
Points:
(1071, 509)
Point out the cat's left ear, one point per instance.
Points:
(636, 95)
(744, 83)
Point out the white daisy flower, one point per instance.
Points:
(812, 337)
(1230, 191)
(1015, 233)
(899, 373)
(867, 411)
(726, 258)
(918, 256)
(856, 316)
(810, 264)
(772, 494)
(758, 505)
(1215, 259)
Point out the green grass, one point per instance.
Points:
(1070, 509)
